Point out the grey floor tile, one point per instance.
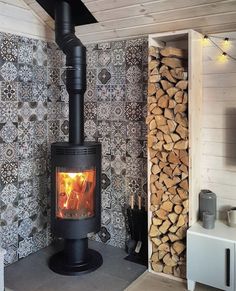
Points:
(33, 274)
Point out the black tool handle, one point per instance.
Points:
(228, 267)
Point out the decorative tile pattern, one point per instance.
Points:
(9, 91)
(9, 71)
(34, 113)
(119, 99)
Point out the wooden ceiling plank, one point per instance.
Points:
(209, 24)
(113, 3)
(103, 13)
(171, 16)
(18, 13)
(18, 3)
(40, 11)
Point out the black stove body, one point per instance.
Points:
(76, 165)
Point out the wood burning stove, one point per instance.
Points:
(76, 165)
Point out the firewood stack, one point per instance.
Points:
(168, 152)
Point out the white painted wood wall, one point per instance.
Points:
(218, 166)
(17, 18)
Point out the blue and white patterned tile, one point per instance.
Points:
(134, 129)
(9, 214)
(40, 166)
(133, 186)
(92, 57)
(133, 55)
(104, 58)
(134, 167)
(106, 198)
(25, 247)
(53, 76)
(9, 152)
(118, 128)
(9, 193)
(8, 132)
(118, 184)
(118, 165)
(134, 92)
(26, 169)
(91, 77)
(104, 46)
(25, 73)
(103, 93)
(90, 94)
(105, 180)
(106, 216)
(39, 90)
(118, 56)
(8, 112)
(9, 91)
(106, 145)
(54, 55)
(103, 110)
(25, 189)
(118, 201)
(9, 48)
(39, 240)
(9, 72)
(9, 172)
(28, 207)
(118, 145)
(9, 234)
(118, 92)
(104, 76)
(90, 127)
(25, 53)
(134, 111)
(53, 92)
(134, 148)
(26, 131)
(118, 111)
(25, 92)
(133, 74)
(90, 110)
(64, 127)
(40, 53)
(11, 255)
(40, 74)
(104, 128)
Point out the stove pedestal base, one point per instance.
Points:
(75, 259)
(59, 265)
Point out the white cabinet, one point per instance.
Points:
(211, 256)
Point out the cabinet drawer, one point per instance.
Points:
(210, 261)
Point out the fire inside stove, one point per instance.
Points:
(75, 193)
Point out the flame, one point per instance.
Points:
(75, 193)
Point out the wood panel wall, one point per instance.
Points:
(218, 166)
(17, 18)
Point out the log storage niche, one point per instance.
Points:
(174, 103)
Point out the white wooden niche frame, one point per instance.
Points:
(192, 42)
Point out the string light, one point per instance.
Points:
(205, 40)
(226, 44)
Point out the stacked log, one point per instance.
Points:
(169, 160)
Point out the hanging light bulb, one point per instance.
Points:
(226, 43)
(205, 40)
(223, 57)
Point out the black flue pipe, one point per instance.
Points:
(75, 69)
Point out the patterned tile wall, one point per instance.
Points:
(115, 109)
(33, 113)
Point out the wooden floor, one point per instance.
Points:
(151, 282)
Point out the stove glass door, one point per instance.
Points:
(75, 193)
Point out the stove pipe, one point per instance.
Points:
(75, 68)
